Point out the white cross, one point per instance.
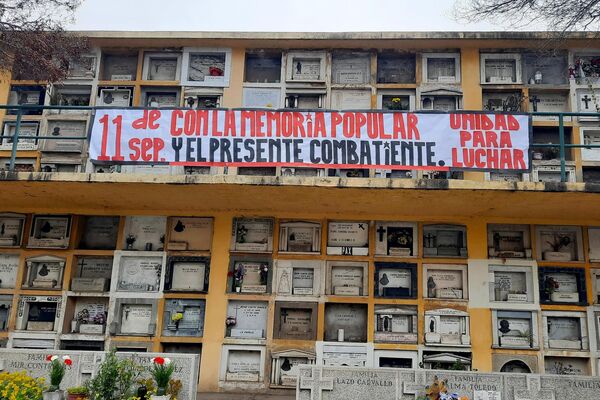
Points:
(316, 384)
(417, 386)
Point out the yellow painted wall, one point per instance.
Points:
(223, 199)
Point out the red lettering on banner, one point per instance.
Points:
(486, 123)
(320, 129)
(491, 139)
(506, 159)
(175, 116)
(215, 124)
(287, 124)
(336, 118)
(258, 124)
(273, 117)
(148, 120)
(505, 140)
(246, 115)
(189, 123)
(465, 136)
(372, 126)
(488, 158)
(513, 124)
(147, 149)
(500, 122)
(229, 123)
(299, 125)
(519, 159)
(455, 162)
(349, 125)
(134, 144)
(478, 140)
(361, 120)
(413, 130)
(492, 159)
(202, 121)
(399, 127)
(479, 158)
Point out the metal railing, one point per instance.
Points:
(22, 110)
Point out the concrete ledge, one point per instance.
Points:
(321, 182)
(489, 35)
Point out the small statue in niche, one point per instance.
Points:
(384, 279)
(130, 240)
(431, 325)
(241, 234)
(430, 287)
(286, 365)
(238, 277)
(504, 326)
(179, 226)
(46, 228)
(264, 274)
(43, 271)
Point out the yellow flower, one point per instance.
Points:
(177, 317)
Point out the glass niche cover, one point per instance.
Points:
(187, 274)
(50, 231)
(509, 241)
(139, 272)
(11, 230)
(445, 241)
(397, 239)
(299, 237)
(562, 285)
(348, 238)
(252, 234)
(250, 275)
(395, 280)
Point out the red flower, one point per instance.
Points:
(159, 360)
(68, 362)
(49, 357)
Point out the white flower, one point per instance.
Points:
(167, 361)
(66, 358)
(53, 358)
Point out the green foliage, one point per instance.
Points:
(162, 374)
(78, 390)
(457, 366)
(20, 386)
(57, 373)
(115, 379)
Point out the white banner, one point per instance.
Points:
(261, 138)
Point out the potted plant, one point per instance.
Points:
(396, 104)
(162, 369)
(558, 243)
(58, 368)
(77, 393)
(115, 379)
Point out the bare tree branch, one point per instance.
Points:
(33, 44)
(556, 15)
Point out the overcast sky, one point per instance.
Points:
(272, 15)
